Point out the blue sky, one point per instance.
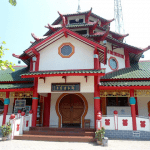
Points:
(17, 23)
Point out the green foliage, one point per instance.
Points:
(100, 134)
(6, 63)
(13, 2)
(6, 129)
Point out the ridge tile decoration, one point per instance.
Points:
(114, 93)
(65, 87)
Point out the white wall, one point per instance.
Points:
(90, 114)
(142, 106)
(81, 59)
(84, 86)
(121, 63)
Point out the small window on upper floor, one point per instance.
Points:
(76, 21)
(82, 31)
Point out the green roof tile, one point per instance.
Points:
(16, 86)
(9, 75)
(65, 71)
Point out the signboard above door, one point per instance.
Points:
(73, 87)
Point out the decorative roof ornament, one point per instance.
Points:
(79, 8)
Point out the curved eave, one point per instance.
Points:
(124, 87)
(62, 74)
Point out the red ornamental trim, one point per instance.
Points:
(107, 122)
(16, 90)
(142, 124)
(115, 54)
(116, 62)
(123, 87)
(125, 122)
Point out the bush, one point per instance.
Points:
(6, 129)
(99, 134)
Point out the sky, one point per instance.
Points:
(30, 16)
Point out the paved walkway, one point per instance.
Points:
(44, 145)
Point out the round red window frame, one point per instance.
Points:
(66, 44)
(116, 62)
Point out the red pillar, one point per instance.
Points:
(35, 102)
(96, 88)
(133, 112)
(46, 113)
(6, 103)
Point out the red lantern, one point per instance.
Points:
(149, 114)
(19, 111)
(31, 111)
(99, 115)
(22, 113)
(115, 112)
(12, 116)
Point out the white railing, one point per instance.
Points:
(125, 122)
(20, 124)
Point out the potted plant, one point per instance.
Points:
(6, 131)
(99, 135)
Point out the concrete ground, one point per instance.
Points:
(45, 145)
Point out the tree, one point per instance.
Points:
(6, 63)
(13, 2)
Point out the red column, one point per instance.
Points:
(6, 103)
(46, 113)
(96, 88)
(34, 102)
(133, 112)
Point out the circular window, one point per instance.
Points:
(1, 106)
(66, 50)
(113, 63)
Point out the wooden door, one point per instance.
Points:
(71, 108)
(148, 104)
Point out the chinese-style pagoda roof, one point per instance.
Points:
(79, 13)
(13, 80)
(9, 76)
(137, 75)
(64, 73)
(16, 86)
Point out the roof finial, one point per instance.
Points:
(79, 8)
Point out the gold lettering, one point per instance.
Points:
(72, 87)
(60, 87)
(65, 88)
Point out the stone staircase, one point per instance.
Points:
(58, 134)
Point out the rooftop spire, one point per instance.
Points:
(79, 8)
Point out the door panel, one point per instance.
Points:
(71, 108)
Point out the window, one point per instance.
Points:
(1, 106)
(117, 101)
(113, 63)
(82, 31)
(76, 21)
(66, 50)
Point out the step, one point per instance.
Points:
(56, 138)
(61, 129)
(62, 133)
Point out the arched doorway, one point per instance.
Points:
(71, 110)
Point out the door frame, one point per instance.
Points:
(83, 115)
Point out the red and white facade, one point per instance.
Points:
(51, 65)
